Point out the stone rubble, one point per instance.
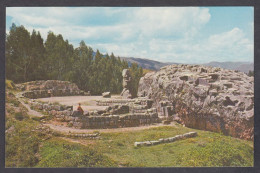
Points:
(84, 135)
(166, 140)
(106, 94)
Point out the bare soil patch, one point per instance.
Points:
(88, 102)
(63, 129)
(85, 142)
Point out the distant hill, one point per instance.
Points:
(240, 66)
(146, 63)
(156, 65)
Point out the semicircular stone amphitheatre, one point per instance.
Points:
(206, 98)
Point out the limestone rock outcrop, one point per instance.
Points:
(206, 98)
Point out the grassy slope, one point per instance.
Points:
(208, 149)
(28, 147)
(117, 149)
(60, 153)
(21, 144)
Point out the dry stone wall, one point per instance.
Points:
(206, 98)
(49, 88)
(115, 116)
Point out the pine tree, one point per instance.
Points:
(18, 54)
(28, 58)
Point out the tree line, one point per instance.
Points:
(29, 58)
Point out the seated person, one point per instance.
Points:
(80, 109)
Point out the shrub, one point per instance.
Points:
(37, 118)
(9, 84)
(18, 116)
(15, 102)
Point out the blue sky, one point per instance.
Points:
(167, 34)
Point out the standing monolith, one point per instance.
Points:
(126, 93)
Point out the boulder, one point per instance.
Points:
(106, 94)
(126, 94)
(205, 98)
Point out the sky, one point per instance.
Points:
(166, 34)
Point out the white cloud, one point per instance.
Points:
(168, 21)
(164, 34)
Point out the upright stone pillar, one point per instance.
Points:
(126, 93)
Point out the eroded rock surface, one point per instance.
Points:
(206, 98)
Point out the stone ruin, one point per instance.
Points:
(124, 112)
(49, 88)
(119, 113)
(205, 98)
(126, 93)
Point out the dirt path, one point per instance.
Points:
(63, 129)
(88, 103)
(79, 141)
(30, 111)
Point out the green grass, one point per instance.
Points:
(21, 144)
(39, 118)
(60, 153)
(207, 149)
(13, 101)
(117, 149)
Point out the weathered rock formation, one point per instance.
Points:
(204, 98)
(41, 89)
(126, 93)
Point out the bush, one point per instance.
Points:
(37, 118)
(9, 84)
(19, 116)
(14, 102)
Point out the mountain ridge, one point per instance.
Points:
(156, 65)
